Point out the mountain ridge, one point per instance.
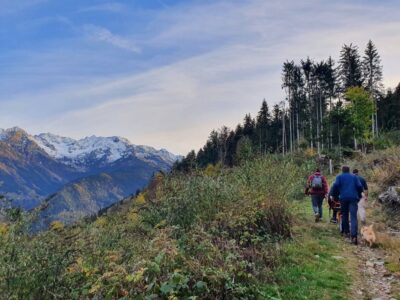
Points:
(74, 178)
(69, 149)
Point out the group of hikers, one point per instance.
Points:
(348, 195)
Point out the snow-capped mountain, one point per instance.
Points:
(106, 149)
(79, 152)
(73, 178)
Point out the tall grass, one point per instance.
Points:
(208, 235)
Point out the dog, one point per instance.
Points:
(368, 234)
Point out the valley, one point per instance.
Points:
(67, 179)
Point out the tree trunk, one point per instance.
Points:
(290, 130)
(318, 130)
(310, 119)
(266, 138)
(298, 129)
(373, 125)
(321, 120)
(283, 131)
(339, 139)
(330, 123)
(355, 140)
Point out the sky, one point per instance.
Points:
(165, 73)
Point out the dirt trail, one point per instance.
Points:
(376, 282)
(372, 279)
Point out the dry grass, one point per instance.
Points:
(383, 167)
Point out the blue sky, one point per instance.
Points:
(166, 72)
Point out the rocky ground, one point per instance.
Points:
(376, 281)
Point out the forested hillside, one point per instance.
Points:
(330, 107)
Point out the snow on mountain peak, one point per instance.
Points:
(110, 149)
(93, 148)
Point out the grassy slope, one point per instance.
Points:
(210, 235)
(216, 246)
(317, 263)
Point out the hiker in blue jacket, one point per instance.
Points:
(348, 188)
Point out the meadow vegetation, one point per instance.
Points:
(214, 233)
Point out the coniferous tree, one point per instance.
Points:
(191, 160)
(210, 150)
(372, 75)
(314, 112)
(276, 129)
(283, 118)
(288, 72)
(223, 135)
(262, 127)
(350, 71)
(320, 88)
(307, 68)
(298, 102)
(332, 89)
(321, 80)
(187, 163)
(249, 126)
(389, 110)
(231, 149)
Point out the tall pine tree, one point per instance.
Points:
(372, 75)
(262, 127)
(350, 70)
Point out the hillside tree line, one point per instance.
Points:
(329, 106)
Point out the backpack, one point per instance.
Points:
(317, 183)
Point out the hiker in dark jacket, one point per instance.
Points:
(317, 188)
(348, 188)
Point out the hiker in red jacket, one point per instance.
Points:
(317, 188)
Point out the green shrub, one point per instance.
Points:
(387, 139)
(211, 235)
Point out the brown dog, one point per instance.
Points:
(368, 234)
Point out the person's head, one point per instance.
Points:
(355, 171)
(317, 170)
(345, 169)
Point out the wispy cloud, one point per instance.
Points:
(114, 7)
(12, 6)
(202, 64)
(45, 21)
(102, 34)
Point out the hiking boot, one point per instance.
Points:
(316, 217)
(346, 235)
(354, 241)
(333, 221)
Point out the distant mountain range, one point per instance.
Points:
(67, 179)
